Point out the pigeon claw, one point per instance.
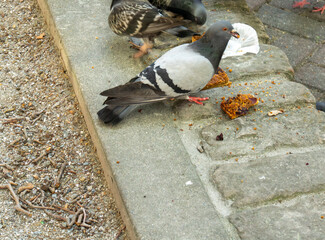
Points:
(143, 50)
(300, 4)
(321, 9)
(197, 99)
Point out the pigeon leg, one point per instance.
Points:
(197, 99)
(321, 9)
(135, 46)
(300, 4)
(143, 49)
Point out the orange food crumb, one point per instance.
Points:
(174, 119)
(236, 159)
(253, 148)
(92, 67)
(117, 162)
(219, 79)
(197, 37)
(322, 217)
(254, 128)
(191, 124)
(230, 70)
(239, 105)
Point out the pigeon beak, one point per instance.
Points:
(234, 34)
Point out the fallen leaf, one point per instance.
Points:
(275, 112)
(41, 36)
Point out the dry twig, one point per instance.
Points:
(28, 186)
(11, 120)
(57, 217)
(6, 166)
(43, 154)
(73, 220)
(57, 179)
(64, 209)
(84, 224)
(16, 198)
(35, 206)
(14, 142)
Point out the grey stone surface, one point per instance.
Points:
(299, 25)
(300, 218)
(305, 11)
(296, 48)
(255, 4)
(272, 178)
(319, 56)
(239, 134)
(311, 75)
(270, 59)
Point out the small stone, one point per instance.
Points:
(200, 149)
(101, 229)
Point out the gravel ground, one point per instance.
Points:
(42, 129)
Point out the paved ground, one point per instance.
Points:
(263, 181)
(300, 34)
(39, 111)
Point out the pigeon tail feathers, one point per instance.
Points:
(181, 32)
(114, 114)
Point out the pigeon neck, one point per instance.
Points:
(211, 50)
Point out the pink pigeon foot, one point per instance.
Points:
(197, 99)
(321, 9)
(300, 4)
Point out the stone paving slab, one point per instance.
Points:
(272, 178)
(311, 75)
(299, 25)
(300, 218)
(290, 44)
(255, 4)
(318, 56)
(305, 11)
(270, 59)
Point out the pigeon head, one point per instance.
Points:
(221, 31)
(214, 42)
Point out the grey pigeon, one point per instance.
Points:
(181, 71)
(193, 10)
(142, 20)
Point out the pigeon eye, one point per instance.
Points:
(225, 29)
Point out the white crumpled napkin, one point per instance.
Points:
(246, 43)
